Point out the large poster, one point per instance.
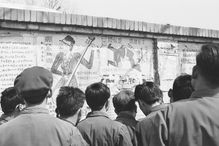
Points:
(118, 62)
(77, 60)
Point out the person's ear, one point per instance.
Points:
(135, 108)
(107, 105)
(79, 116)
(194, 72)
(170, 93)
(49, 94)
(141, 103)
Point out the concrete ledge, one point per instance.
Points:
(57, 18)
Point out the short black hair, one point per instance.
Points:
(124, 101)
(182, 87)
(97, 94)
(69, 101)
(9, 100)
(207, 62)
(149, 92)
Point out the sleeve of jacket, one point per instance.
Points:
(152, 131)
(124, 137)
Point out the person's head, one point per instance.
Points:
(10, 101)
(34, 85)
(182, 88)
(148, 95)
(97, 95)
(67, 43)
(69, 102)
(205, 73)
(124, 101)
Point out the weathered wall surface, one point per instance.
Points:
(120, 53)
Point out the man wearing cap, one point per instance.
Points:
(34, 126)
(67, 60)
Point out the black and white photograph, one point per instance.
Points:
(109, 73)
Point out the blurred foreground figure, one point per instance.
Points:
(191, 122)
(10, 104)
(125, 108)
(182, 88)
(34, 126)
(98, 129)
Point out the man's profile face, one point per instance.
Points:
(145, 108)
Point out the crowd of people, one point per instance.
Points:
(190, 119)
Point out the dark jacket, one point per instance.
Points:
(191, 122)
(5, 118)
(98, 130)
(145, 132)
(129, 120)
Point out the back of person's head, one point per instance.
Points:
(34, 84)
(207, 62)
(10, 100)
(148, 92)
(182, 88)
(124, 101)
(69, 101)
(97, 94)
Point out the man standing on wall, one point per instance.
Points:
(67, 61)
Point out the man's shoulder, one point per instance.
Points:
(147, 120)
(99, 122)
(25, 120)
(61, 123)
(153, 117)
(183, 105)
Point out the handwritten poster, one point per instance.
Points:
(168, 59)
(188, 52)
(15, 55)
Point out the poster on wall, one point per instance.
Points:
(188, 52)
(16, 54)
(168, 59)
(175, 58)
(79, 60)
